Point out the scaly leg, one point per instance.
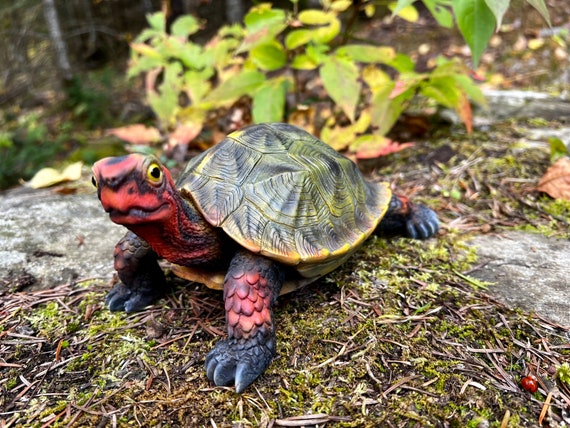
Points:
(251, 288)
(142, 280)
(405, 218)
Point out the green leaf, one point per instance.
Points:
(262, 24)
(402, 63)
(185, 26)
(197, 84)
(192, 56)
(471, 89)
(476, 23)
(340, 79)
(557, 149)
(443, 90)
(446, 92)
(441, 14)
(230, 90)
(157, 21)
(541, 7)
(298, 38)
(390, 100)
(269, 101)
(142, 65)
(318, 52)
(219, 52)
(368, 53)
(263, 16)
(269, 57)
(164, 102)
(149, 35)
(498, 7)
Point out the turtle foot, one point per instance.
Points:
(238, 361)
(422, 222)
(123, 298)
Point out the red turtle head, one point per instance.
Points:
(135, 189)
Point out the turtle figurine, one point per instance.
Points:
(265, 211)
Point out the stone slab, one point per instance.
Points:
(47, 239)
(529, 271)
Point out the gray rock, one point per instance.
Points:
(529, 271)
(51, 239)
(526, 104)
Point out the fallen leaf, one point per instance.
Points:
(183, 134)
(136, 134)
(535, 44)
(374, 146)
(47, 177)
(556, 181)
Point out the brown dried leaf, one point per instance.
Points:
(136, 134)
(184, 134)
(556, 181)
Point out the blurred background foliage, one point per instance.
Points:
(201, 68)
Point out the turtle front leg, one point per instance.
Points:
(251, 287)
(142, 279)
(406, 218)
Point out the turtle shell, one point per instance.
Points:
(280, 192)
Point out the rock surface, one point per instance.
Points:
(48, 239)
(529, 271)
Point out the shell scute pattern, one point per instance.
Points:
(279, 191)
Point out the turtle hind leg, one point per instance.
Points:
(142, 279)
(251, 287)
(405, 218)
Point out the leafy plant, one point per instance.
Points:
(369, 85)
(476, 19)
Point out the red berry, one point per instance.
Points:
(529, 384)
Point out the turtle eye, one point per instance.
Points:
(94, 181)
(154, 173)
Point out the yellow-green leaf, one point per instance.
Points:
(368, 53)
(377, 79)
(185, 26)
(269, 101)
(230, 90)
(303, 62)
(340, 79)
(298, 38)
(340, 5)
(145, 50)
(47, 177)
(316, 17)
(409, 12)
(269, 56)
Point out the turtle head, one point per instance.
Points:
(135, 189)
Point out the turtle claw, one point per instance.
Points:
(238, 361)
(422, 222)
(123, 298)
